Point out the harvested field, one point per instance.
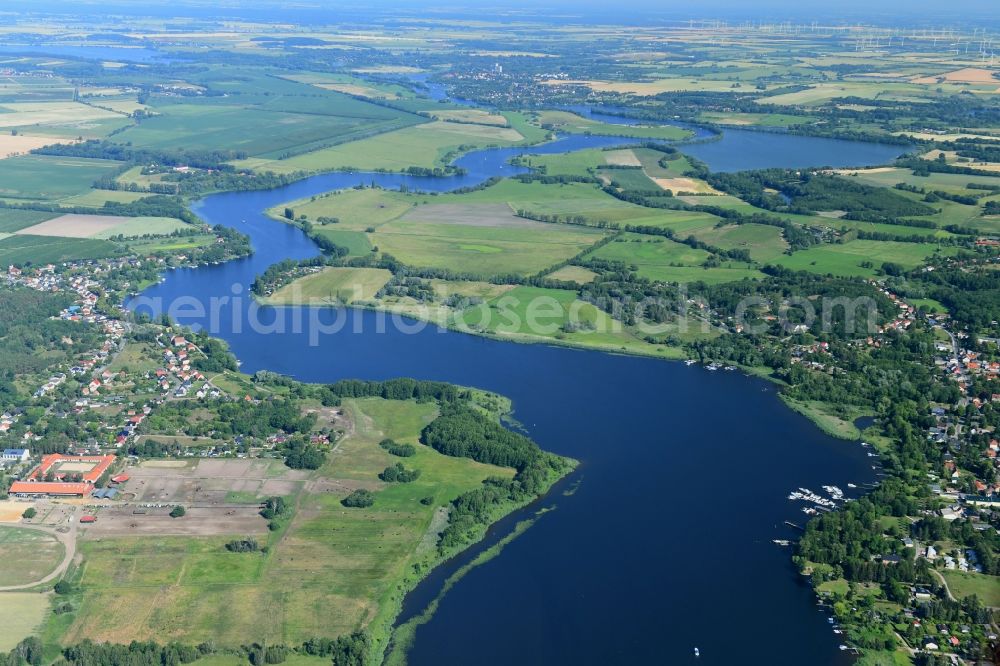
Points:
(476, 116)
(102, 226)
(15, 145)
(622, 158)
(966, 75)
(685, 185)
(471, 215)
(332, 285)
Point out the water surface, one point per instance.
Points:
(666, 543)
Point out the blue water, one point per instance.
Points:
(742, 150)
(89, 52)
(666, 543)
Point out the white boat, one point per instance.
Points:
(690, 361)
(697, 652)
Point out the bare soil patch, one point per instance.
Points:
(621, 158)
(966, 75)
(75, 225)
(199, 521)
(21, 144)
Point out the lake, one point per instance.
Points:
(666, 543)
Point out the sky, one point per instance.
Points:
(951, 12)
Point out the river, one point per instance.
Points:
(666, 542)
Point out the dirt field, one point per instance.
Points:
(471, 215)
(76, 226)
(71, 467)
(10, 511)
(198, 521)
(209, 483)
(684, 185)
(20, 144)
(472, 116)
(622, 158)
(967, 75)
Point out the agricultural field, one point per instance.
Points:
(103, 226)
(430, 145)
(860, 258)
(566, 121)
(49, 177)
(662, 259)
(63, 120)
(577, 274)
(332, 286)
(321, 576)
(23, 249)
(351, 85)
(12, 219)
(202, 127)
(475, 116)
(521, 247)
(765, 243)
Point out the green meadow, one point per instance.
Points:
(34, 250)
(49, 177)
(662, 259)
(859, 258)
(429, 145)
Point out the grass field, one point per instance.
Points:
(474, 233)
(576, 274)
(331, 286)
(97, 198)
(49, 177)
(21, 613)
(662, 259)
(21, 249)
(765, 243)
(330, 572)
(426, 145)
(847, 259)
(356, 242)
(63, 119)
(987, 588)
(224, 127)
(539, 313)
(371, 208)
(524, 249)
(28, 555)
(12, 220)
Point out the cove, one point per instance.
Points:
(665, 543)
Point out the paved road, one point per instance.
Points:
(68, 540)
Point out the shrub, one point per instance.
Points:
(359, 499)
